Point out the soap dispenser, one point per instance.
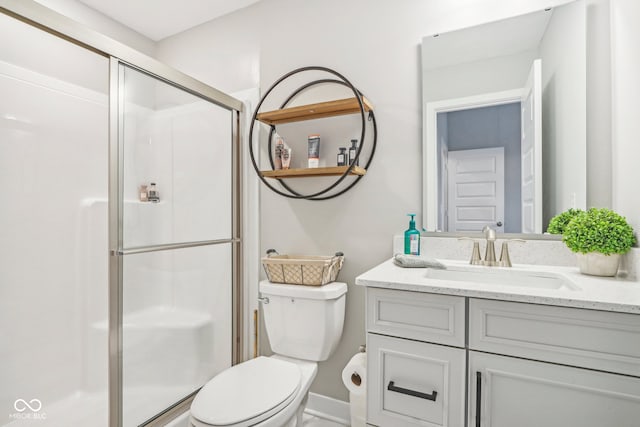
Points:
(412, 238)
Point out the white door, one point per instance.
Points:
(511, 392)
(531, 151)
(442, 191)
(475, 189)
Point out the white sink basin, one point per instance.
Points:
(504, 277)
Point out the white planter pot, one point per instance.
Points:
(598, 264)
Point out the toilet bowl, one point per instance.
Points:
(265, 392)
(304, 325)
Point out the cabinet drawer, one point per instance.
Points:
(416, 315)
(398, 368)
(587, 338)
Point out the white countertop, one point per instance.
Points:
(596, 293)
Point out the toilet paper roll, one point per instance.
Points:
(354, 375)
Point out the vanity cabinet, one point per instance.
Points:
(524, 364)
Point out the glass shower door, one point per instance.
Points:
(53, 230)
(176, 238)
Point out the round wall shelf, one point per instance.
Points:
(357, 104)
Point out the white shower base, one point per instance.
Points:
(168, 354)
(91, 409)
(161, 345)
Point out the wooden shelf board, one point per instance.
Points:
(312, 172)
(314, 111)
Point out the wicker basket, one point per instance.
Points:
(302, 269)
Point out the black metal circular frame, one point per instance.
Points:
(320, 195)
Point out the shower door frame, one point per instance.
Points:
(118, 53)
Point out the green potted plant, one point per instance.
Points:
(598, 237)
(559, 222)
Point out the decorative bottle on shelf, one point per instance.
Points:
(279, 148)
(412, 238)
(144, 193)
(314, 151)
(153, 194)
(352, 152)
(342, 157)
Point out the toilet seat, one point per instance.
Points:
(247, 394)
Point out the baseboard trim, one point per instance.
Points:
(328, 408)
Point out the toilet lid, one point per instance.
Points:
(248, 393)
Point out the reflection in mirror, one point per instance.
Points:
(504, 109)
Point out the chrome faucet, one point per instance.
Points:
(505, 260)
(476, 259)
(490, 250)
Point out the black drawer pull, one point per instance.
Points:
(393, 387)
(478, 399)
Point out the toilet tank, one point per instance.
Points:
(304, 322)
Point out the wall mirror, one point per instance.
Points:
(504, 131)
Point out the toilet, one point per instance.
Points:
(304, 325)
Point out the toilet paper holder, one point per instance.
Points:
(355, 378)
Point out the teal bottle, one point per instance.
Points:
(412, 238)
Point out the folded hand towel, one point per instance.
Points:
(417, 261)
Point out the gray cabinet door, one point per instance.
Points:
(506, 392)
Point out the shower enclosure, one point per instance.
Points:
(114, 308)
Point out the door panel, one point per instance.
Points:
(476, 189)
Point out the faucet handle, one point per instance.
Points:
(505, 260)
(489, 233)
(475, 253)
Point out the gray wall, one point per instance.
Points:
(564, 112)
(488, 127)
(478, 77)
(376, 45)
(625, 58)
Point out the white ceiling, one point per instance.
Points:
(157, 19)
